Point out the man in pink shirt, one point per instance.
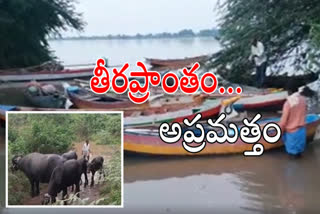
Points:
(292, 122)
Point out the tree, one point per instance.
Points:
(26, 25)
(284, 27)
(209, 33)
(186, 33)
(315, 35)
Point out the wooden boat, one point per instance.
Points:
(164, 69)
(281, 80)
(149, 142)
(209, 109)
(84, 99)
(5, 108)
(158, 104)
(175, 63)
(276, 81)
(272, 101)
(45, 75)
(46, 101)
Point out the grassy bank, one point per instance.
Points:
(112, 188)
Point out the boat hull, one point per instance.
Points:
(156, 106)
(49, 101)
(207, 110)
(82, 103)
(153, 145)
(5, 108)
(175, 62)
(46, 75)
(272, 101)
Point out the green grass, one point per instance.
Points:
(112, 188)
(18, 185)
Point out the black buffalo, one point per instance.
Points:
(37, 167)
(95, 165)
(70, 155)
(65, 175)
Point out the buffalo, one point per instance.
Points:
(65, 175)
(37, 167)
(70, 155)
(95, 165)
(73, 155)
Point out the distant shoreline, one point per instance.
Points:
(208, 33)
(133, 38)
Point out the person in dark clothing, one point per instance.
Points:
(260, 59)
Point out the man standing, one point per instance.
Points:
(86, 150)
(260, 59)
(292, 122)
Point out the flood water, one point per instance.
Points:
(273, 183)
(131, 51)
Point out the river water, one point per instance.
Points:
(273, 183)
(131, 51)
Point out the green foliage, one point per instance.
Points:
(113, 181)
(102, 128)
(87, 125)
(17, 183)
(315, 35)
(55, 133)
(39, 133)
(111, 132)
(26, 25)
(283, 26)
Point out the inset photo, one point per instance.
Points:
(64, 159)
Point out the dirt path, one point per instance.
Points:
(92, 193)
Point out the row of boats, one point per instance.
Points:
(141, 121)
(46, 74)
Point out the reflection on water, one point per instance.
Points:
(191, 193)
(273, 182)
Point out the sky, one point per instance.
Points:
(145, 16)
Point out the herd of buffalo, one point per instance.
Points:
(60, 171)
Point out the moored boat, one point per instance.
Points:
(149, 142)
(272, 101)
(209, 109)
(9, 108)
(45, 75)
(84, 99)
(175, 63)
(5, 108)
(275, 81)
(46, 101)
(44, 95)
